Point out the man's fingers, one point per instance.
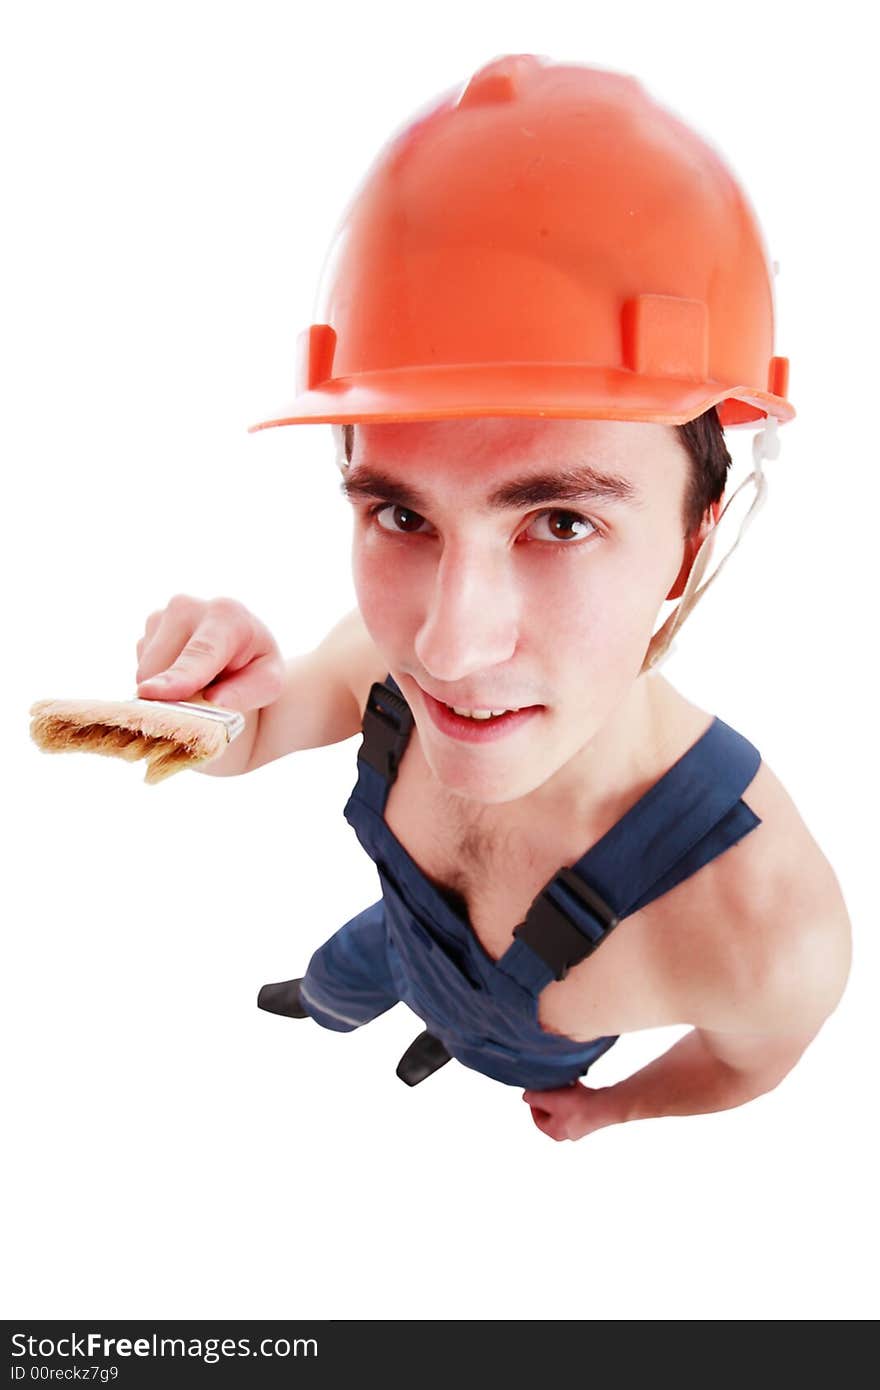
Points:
(166, 632)
(259, 684)
(176, 665)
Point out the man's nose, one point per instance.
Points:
(472, 618)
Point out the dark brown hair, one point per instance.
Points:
(710, 461)
(703, 438)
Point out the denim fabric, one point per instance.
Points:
(348, 981)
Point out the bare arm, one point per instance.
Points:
(689, 1079)
(757, 1039)
(755, 1043)
(698, 1075)
(315, 708)
(323, 695)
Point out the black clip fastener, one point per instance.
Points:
(387, 724)
(552, 935)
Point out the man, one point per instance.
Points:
(543, 280)
(471, 604)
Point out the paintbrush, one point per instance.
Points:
(170, 734)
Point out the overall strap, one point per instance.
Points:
(387, 725)
(684, 821)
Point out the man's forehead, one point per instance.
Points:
(515, 437)
(496, 456)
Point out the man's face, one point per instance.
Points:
(545, 601)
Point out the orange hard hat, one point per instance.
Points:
(546, 240)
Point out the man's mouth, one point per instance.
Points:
(480, 713)
(476, 725)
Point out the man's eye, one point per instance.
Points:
(565, 526)
(404, 521)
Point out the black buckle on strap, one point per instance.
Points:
(550, 932)
(387, 724)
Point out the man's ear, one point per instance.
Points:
(692, 545)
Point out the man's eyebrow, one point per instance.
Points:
(575, 484)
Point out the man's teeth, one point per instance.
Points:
(480, 713)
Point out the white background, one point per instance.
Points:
(172, 176)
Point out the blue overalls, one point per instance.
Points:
(414, 945)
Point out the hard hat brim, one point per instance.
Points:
(525, 389)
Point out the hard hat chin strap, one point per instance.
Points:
(765, 445)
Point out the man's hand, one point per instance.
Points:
(570, 1112)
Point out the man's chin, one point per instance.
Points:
(487, 781)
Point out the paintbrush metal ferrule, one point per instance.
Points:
(233, 720)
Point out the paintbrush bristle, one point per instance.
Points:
(169, 735)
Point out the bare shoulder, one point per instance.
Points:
(355, 656)
(781, 955)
